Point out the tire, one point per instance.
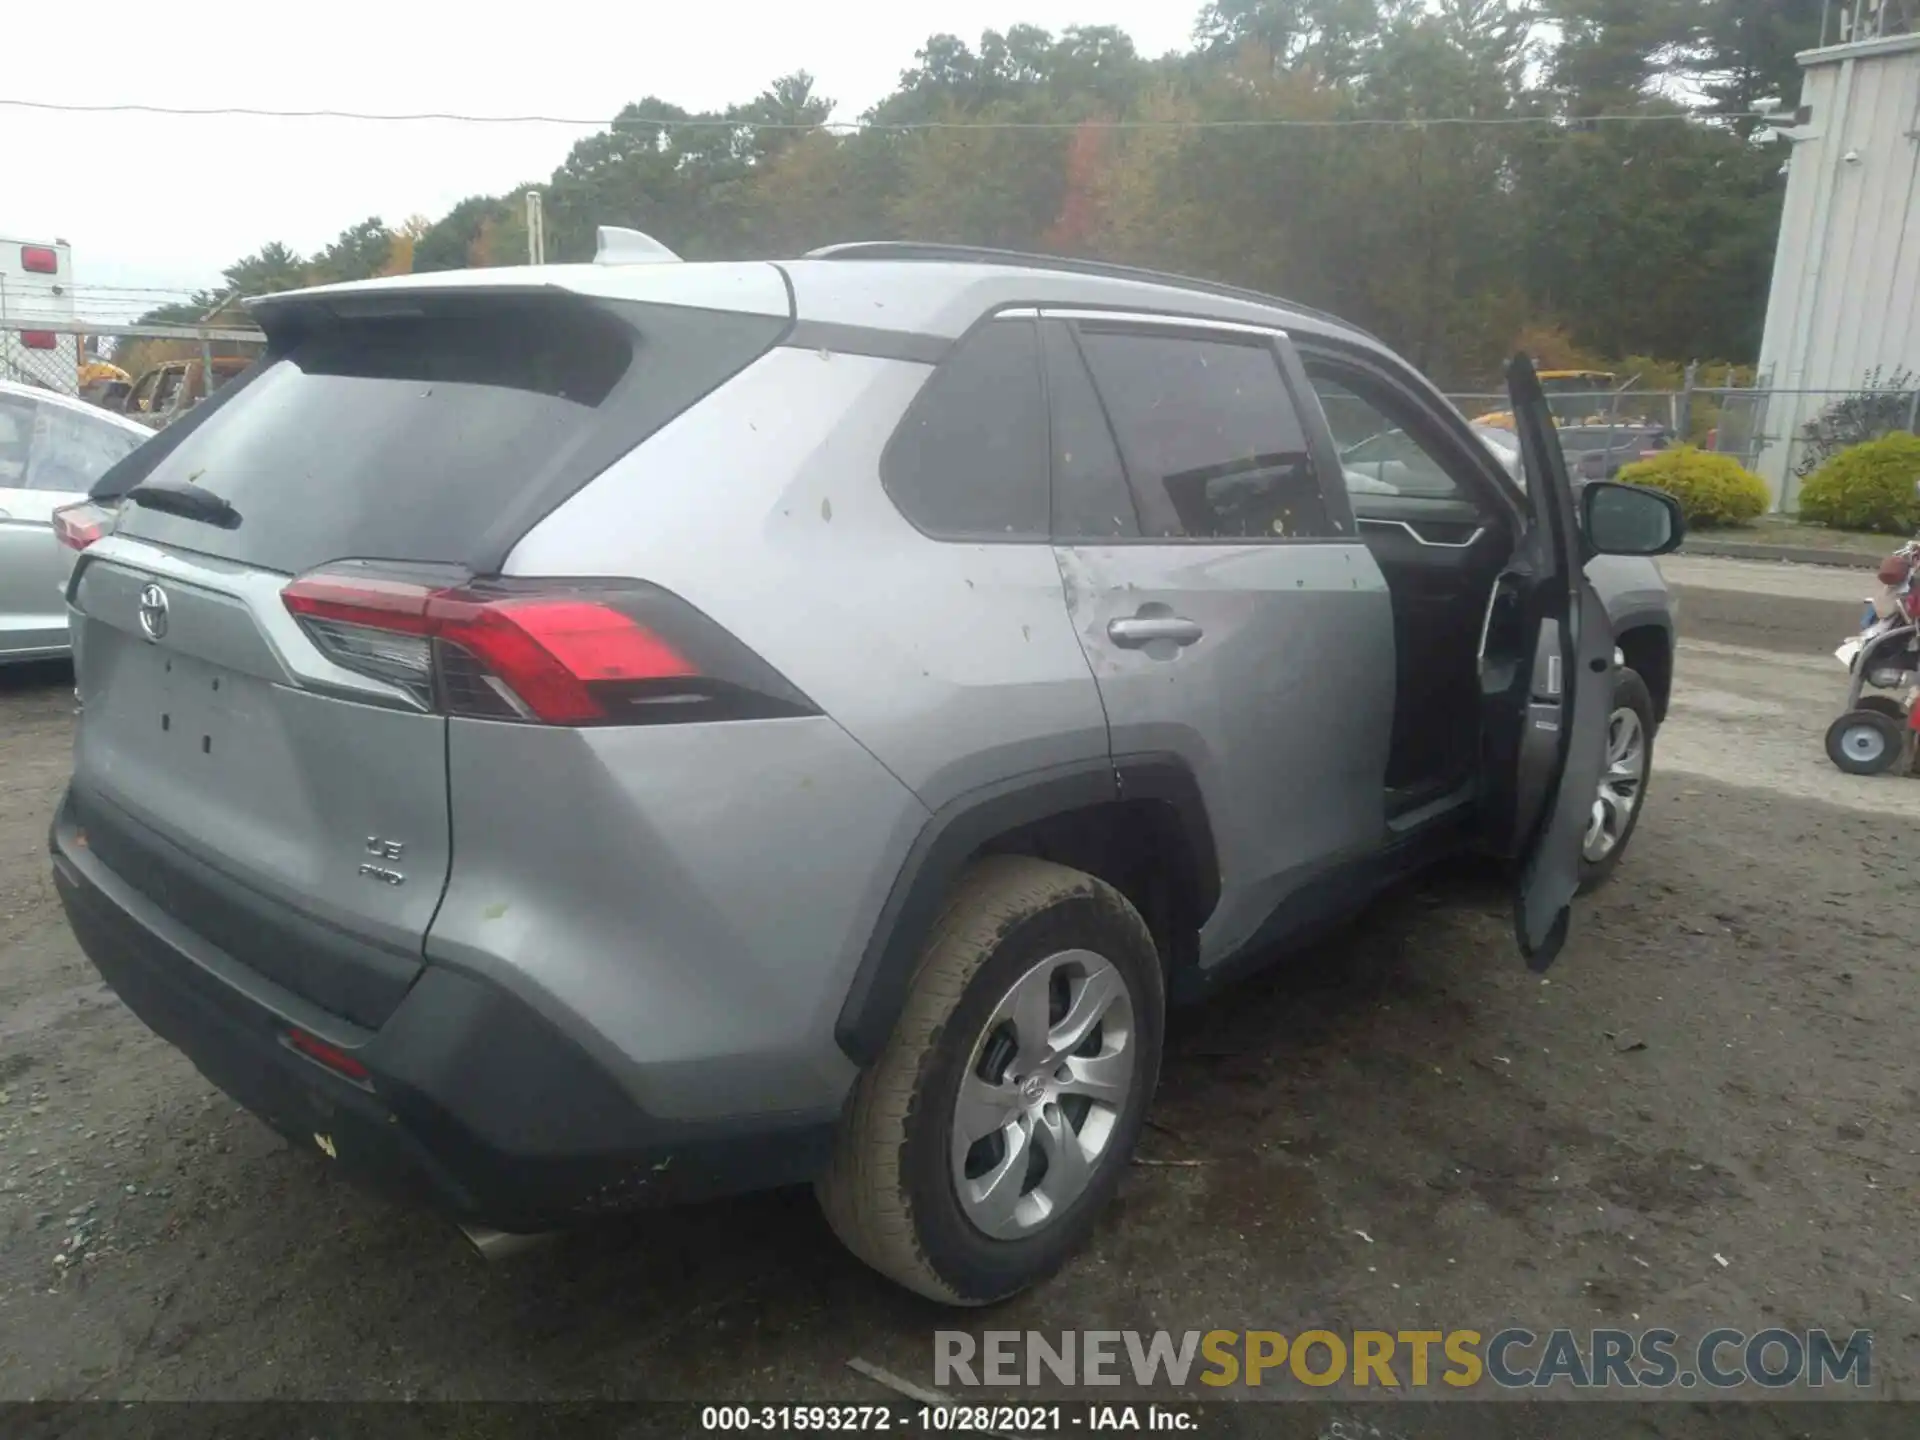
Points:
(893, 1189)
(1866, 742)
(1630, 698)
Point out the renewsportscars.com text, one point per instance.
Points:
(1510, 1359)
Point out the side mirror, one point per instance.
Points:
(1630, 519)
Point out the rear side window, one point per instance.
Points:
(424, 436)
(1212, 441)
(969, 461)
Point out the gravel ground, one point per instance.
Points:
(1705, 1115)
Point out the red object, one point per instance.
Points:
(331, 1056)
(38, 339)
(39, 259)
(548, 650)
(78, 526)
(1895, 569)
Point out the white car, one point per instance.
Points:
(52, 449)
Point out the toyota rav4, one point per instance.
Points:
(559, 739)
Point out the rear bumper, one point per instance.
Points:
(474, 1104)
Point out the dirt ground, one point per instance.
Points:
(1706, 1114)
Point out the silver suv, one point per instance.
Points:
(559, 739)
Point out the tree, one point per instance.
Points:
(1612, 51)
(401, 243)
(1332, 37)
(271, 268)
(359, 253)
(447, 243)
(1743, 52)
(1310, 148)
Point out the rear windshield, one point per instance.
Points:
(426, 436)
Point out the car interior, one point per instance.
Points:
(1441, 541)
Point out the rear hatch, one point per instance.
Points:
(276, 778)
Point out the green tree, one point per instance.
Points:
(271, 268)
(1611, 52)
(1742, 52)
(359, 253)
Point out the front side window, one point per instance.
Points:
(969, 461)
(1377, 456)
(1213, 443)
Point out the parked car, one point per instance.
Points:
(172, 388)
(1598, 452)
(673, 729)
(52, 450)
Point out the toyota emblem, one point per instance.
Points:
(153, 612)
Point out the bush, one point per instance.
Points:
(1712, 489)
(1869, 487)
(1884, 404)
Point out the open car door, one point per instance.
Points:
(1546, 657)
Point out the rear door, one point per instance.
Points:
(1231, 616)
(1546, 661)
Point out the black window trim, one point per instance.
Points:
(1293, 380)
(1065, 327)
(1022, 312)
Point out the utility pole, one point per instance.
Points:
(536, 230)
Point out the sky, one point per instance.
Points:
(166, 202)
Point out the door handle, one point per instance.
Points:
(1145, 629)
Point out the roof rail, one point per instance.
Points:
(986, 255)
(615, 245)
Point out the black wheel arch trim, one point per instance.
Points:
(955, 832)
(1660, 682)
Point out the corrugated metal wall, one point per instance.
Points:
(1846, 280)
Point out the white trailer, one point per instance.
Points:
(36, 290)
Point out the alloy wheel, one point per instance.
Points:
(1621, 784)
(1043, 1093)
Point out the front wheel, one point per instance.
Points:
(1622, 792)
(977, 1152)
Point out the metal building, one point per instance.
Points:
(1845, 298)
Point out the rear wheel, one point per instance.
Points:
(1622, 791)
(1866, 742)
(978, 1151)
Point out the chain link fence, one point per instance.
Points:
(1782, 434)
(43, 359)
(150, 373)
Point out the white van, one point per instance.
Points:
(36, 290)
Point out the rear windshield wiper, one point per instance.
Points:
(188, 501)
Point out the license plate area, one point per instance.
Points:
(189, 709)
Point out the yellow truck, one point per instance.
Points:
(1570, 396)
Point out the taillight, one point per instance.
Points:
(39, 259)
(38, 339)
(551, 653)
(78, 526)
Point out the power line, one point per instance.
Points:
(711, 122)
